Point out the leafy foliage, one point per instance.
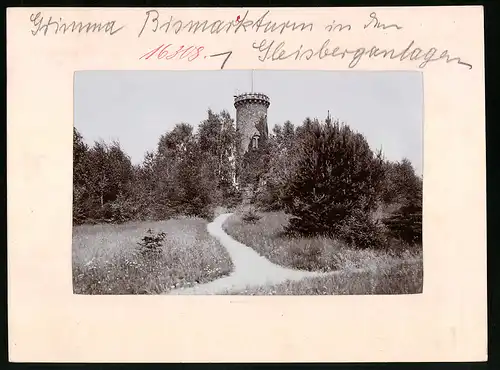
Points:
(403, 188)
(189, 173)
(254, 164)
(280, 166)
(336, 175)
(323, 174)
(360, 230)
(406, 223)
(102, 179)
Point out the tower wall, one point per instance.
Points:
(250, 108)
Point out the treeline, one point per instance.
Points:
(187, 174)
(324, 174)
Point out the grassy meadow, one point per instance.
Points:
(107, 259)
(401, 278)
(397, 269)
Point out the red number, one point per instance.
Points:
(197, 53)
(174, 55)
(149, 54)
(183, 55)
(164, 52)
(191, 53)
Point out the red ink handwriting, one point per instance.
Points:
(170, 52)
(237, 18)
(190, 53)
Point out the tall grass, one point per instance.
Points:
(266, 235)
(402, 278)
(107, 258)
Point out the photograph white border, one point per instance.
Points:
(47, 323)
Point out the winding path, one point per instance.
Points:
(250, 268)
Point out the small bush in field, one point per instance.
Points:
(152, 244)
(250, 216)
(108, 260)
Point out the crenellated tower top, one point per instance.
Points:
(251, 98)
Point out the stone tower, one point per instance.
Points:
(250, 109)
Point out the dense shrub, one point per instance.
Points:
(280, 165)
(361, 230)
(188, 174)
(322, 174)
(250, 216)
(336, 175)
(406, 223)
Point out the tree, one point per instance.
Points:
(406, 223)
(336, 174)
(102, 182)
(121, 177)
(193, 171)
(404, 188)
(401, 182)
(108, 174)
(172, 149)
(216, 139)
(195, 184)
(280, 164)
(80, 178)
(278, 134)
(288, 132)
(145, 180)
(304, 129)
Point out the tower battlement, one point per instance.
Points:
(251, 98)
(251, 109)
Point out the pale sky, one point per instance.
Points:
(137, 107)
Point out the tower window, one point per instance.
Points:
(255, 142)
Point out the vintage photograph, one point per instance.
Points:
(247, 182)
